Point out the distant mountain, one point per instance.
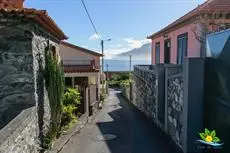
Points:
(142, 53)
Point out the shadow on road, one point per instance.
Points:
(135, 133)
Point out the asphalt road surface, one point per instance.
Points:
(118, 119)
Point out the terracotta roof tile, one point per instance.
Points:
(41, 17)
(11, 3)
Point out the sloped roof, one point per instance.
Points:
(40, 16)
(80, 48)
(208, 6)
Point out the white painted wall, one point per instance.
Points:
(68, 53)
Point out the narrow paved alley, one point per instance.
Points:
(134, 133)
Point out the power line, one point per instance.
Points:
(87, 12)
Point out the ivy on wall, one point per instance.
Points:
(54, 80)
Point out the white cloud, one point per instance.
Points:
(94, 37)
(116, 46)
(110, 53)
(136, 43)
(145, 41)
(84, 46)
(132, 43)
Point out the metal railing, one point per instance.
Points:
(144, 71)
(80, 65)
(78, 62)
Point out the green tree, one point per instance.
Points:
(54, 80)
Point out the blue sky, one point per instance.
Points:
(126, 22)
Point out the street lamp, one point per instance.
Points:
(102, 62)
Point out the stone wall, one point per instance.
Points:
(126, 92)
(144, 93)
(20, 135)
(175, 108)
(39, 43)
(16, 71)
(160, 99)
(174, 92)
(22, 46)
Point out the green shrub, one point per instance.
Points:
(71, 97)
(118, 79)
(125, 83)
(121, 76)
(68, 115)
(102, 94)
(113, 83)
(48, 141)
(71, 100)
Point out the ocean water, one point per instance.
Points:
(122, 65)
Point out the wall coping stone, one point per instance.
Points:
(11, 130)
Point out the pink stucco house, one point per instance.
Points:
(182, 37)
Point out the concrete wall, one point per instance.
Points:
(193, 102)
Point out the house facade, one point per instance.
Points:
(82, 71)
(185, 36)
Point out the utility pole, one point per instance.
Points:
(107, 74)
(130, 78)
(102, 62)
(130, 66)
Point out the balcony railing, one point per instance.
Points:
(80, 65)
(78, 62)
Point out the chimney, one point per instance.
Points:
(11, 4)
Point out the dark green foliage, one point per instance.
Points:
(54, 80)
(119, 80)
(121, 76)
(48, 141)
(114, 84)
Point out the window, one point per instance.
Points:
(157, 53)
(182, 47)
